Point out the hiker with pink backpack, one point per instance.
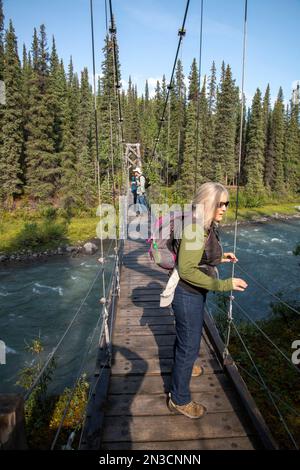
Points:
(194, 261)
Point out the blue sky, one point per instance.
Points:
(147, 35)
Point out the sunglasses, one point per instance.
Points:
(222, 204)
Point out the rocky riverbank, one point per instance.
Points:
(87, 248)
(92, 246)
(263, 219)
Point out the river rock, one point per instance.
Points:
(90, 248)
(3, 258)
(71, 249)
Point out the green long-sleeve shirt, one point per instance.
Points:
(189, 258)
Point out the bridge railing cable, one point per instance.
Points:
(281, 418)
(261, 380)
(264, 334)
(103, 366)
(275, 395)
(243, 312)
(112, 292)
(259, 284)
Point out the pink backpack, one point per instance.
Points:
(165, 240)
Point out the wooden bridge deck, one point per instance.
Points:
(136, 415)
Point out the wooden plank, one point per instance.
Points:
(134, 342)
(151, 296)
(155, 405)
(233, 443)
(152, 366)
(144, 290)
(174, 427)
(158, 384)
(139, 312)
(159, 353)
(139, 303)
(128, 286)
(146, 330)
(135, 321)
(144, 270)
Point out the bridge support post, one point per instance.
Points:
(12, 423)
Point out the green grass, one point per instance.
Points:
(267, 210)
(11, 228)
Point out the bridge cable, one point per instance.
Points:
(266, 336)
(281, 418)
(199, 95)
(80, 372)
(268, 291)
(104, 364)
(181, 34)
(229, 313)
(242, 310)
(101, 260)
(278, 397)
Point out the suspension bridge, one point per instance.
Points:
(127, 401)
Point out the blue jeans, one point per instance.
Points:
(142, 203)
(189, 314)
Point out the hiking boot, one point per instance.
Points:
(197, 371)
(192, 409)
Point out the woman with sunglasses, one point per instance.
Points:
(199, 253)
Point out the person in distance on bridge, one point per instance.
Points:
(196, 266)
(134, 188)
(141, 191)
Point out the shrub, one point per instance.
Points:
(34, 235)
(76, 407)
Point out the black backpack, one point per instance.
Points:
(147, 182)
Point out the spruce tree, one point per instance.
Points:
(225, 128)
(267, 123)
(208, 126)
(12, 124)
(56, 96)
(41, 161)
(68, 154)
(191, 154)
(292, 149)
(277, 144)
(2, 91)
(177, 122)
(149, 118)
(131, 115)
(212, 94)
(1, 41)
(254, 161)
(205, 157)
(85, 166)
(109, 108)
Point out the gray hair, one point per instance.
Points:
(210, 195)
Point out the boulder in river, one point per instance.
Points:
(90, 248)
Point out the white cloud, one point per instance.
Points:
(152, 81)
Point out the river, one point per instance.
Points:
(40, 299)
